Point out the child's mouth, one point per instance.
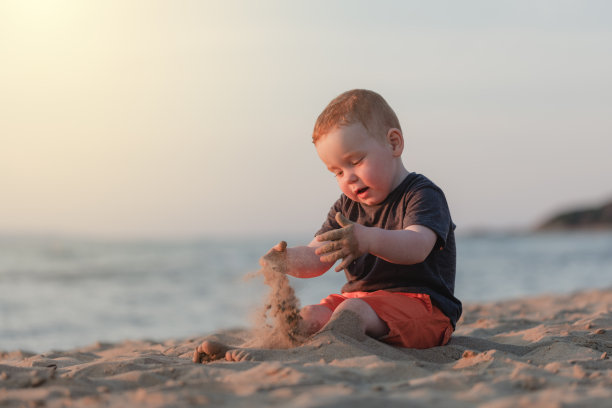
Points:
(362, 190)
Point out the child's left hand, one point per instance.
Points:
(346, 243)
(276, 258)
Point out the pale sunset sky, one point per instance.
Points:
(191, 118)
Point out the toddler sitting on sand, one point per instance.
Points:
(391, 229)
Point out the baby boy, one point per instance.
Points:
(390, 229)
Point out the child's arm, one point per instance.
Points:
(407, 247)
(301, 261)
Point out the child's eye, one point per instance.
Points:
(338, 174)
(356, 162)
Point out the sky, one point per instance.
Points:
(194, 118)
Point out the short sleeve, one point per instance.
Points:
(330, 222)
(427, 206)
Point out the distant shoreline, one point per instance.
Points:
(583, 219)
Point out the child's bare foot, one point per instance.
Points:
(239, 355)
(211, 350)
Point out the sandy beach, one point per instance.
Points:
(546, 351)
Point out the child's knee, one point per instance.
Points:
(356, 306)
(373, 325)
(316, 313)
(315, 317)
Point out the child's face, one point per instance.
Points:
(365, 167)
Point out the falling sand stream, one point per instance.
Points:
(277, 325)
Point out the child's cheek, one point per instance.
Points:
(346, 190)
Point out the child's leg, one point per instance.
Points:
(314, 317)
(363, 320)
(353, 317)
(412, 320)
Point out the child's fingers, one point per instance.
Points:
(345, 262)
(281, 246)
(333, 256)
(332, 235)
(329, 247)
(342, 220)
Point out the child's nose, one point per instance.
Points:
(351, 177)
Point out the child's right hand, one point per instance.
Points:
(276, 258)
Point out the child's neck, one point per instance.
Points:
(400, 174)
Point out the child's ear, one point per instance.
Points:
(396, 141)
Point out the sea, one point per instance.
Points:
(59, 293)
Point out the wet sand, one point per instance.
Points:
(547, 351)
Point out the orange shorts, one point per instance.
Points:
(412, 320)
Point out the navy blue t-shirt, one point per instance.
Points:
(416, 201)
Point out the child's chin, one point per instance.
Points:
(370, 201)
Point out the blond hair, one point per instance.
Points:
(357, 106)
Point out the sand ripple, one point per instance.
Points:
(547, 351)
